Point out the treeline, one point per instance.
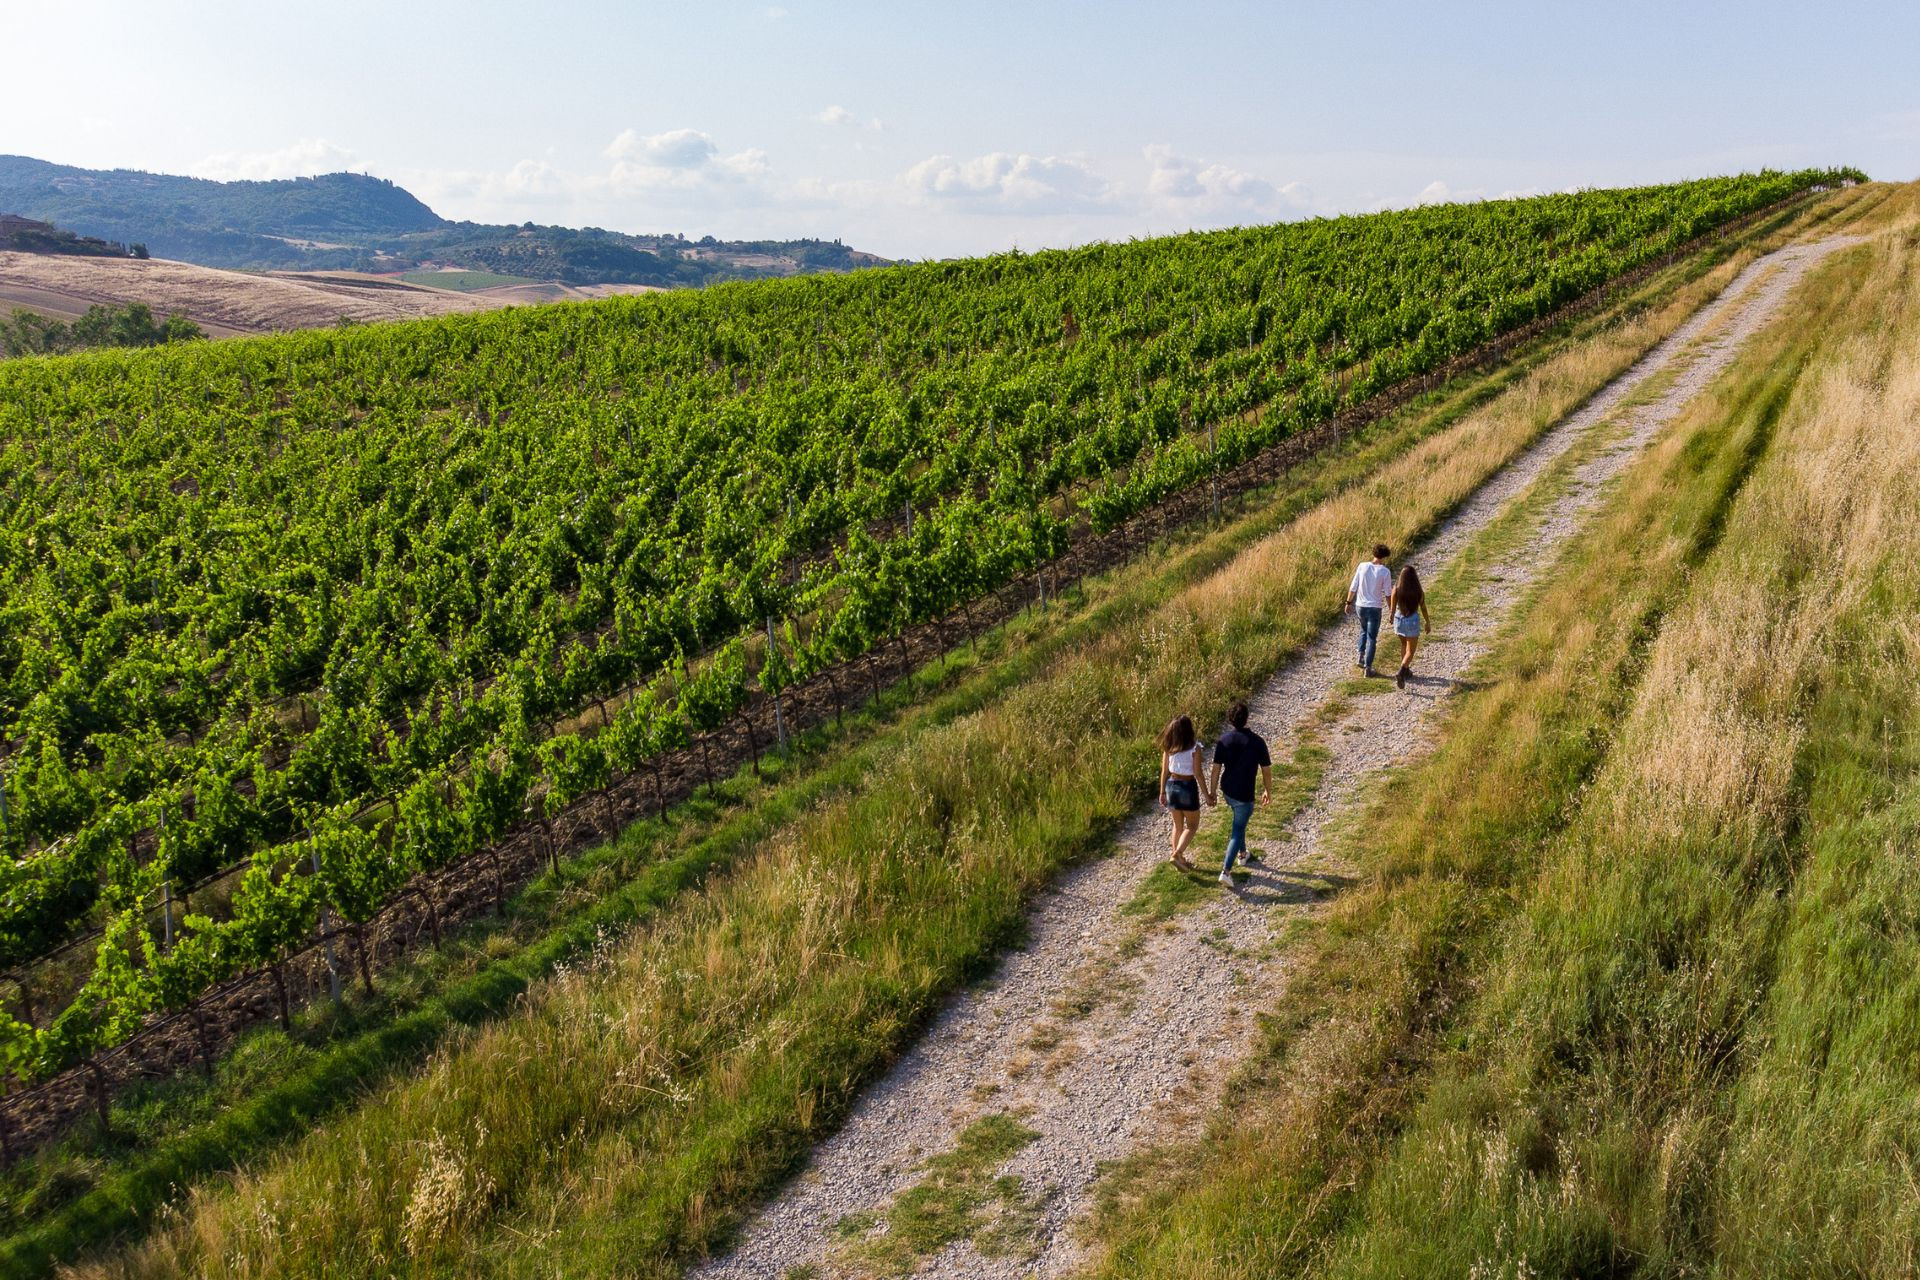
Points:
(25, 235)
(28, 333)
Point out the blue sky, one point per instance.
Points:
(919, 130)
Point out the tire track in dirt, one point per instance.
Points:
(1106, 1034)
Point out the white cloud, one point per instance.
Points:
(1437, 192)
(1193, 186)
(674, 149)
(677, 161)
(528, 186)
(301, 159)
(698, 183)
(839, 117)
(999, 180)
(533, 178)
(751, 163)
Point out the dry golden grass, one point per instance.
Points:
(228, 302)
(1665, 1065)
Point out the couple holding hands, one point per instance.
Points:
(1241, 754)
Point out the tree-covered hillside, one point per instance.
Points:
(352, 221)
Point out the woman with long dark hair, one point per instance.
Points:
(1181, 785)
(1408, 604)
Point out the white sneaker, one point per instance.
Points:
(1226, 878)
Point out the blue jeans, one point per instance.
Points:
(1369, 634)
(1237, 842)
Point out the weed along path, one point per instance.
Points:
(1120, 1020)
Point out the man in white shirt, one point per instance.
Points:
(1367, 595)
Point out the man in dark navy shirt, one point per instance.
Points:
(1237, 757)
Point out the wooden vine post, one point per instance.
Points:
(779, 720)
(326, 930)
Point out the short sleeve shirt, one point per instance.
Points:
(1371, 585)
(1240, 753)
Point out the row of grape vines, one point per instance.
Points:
(448, 540)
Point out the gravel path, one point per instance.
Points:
(1108, 1032)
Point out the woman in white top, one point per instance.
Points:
(1182, 782)
(1409, 605)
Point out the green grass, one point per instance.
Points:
(846, 924)
(958, 1198)
(465, 281)
(1520, 1046)
(1167, 890)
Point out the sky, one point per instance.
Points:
(916, 130)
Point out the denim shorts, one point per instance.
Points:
(1183, 794)
(1406, 625)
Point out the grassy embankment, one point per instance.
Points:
(633, 1107)
(1640, 1003)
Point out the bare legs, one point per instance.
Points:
(1407, 646)
(1186, 823)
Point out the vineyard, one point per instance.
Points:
(286, 622)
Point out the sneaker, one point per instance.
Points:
(1251, 855)
(1400, 679)
(1369, 672)
(1226, 878)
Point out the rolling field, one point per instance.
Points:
(224, 303)
(365, 604)
(463, 281)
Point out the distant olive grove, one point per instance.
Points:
(28, 333)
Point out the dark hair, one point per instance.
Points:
(1237, 716)
(1381, 551)
(1411, 595)
(1178, 735)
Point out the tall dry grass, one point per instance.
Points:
(1680, 1060)
(1817, 1172)
(632, 1109)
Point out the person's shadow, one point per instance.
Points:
(1266, 885)
(1434, 687)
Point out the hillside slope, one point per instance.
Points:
(224, 303)
(662, 1086)
(1054, 398)
(353, 221)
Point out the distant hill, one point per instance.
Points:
(354, 222)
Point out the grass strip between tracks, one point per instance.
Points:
(1522, 1046)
